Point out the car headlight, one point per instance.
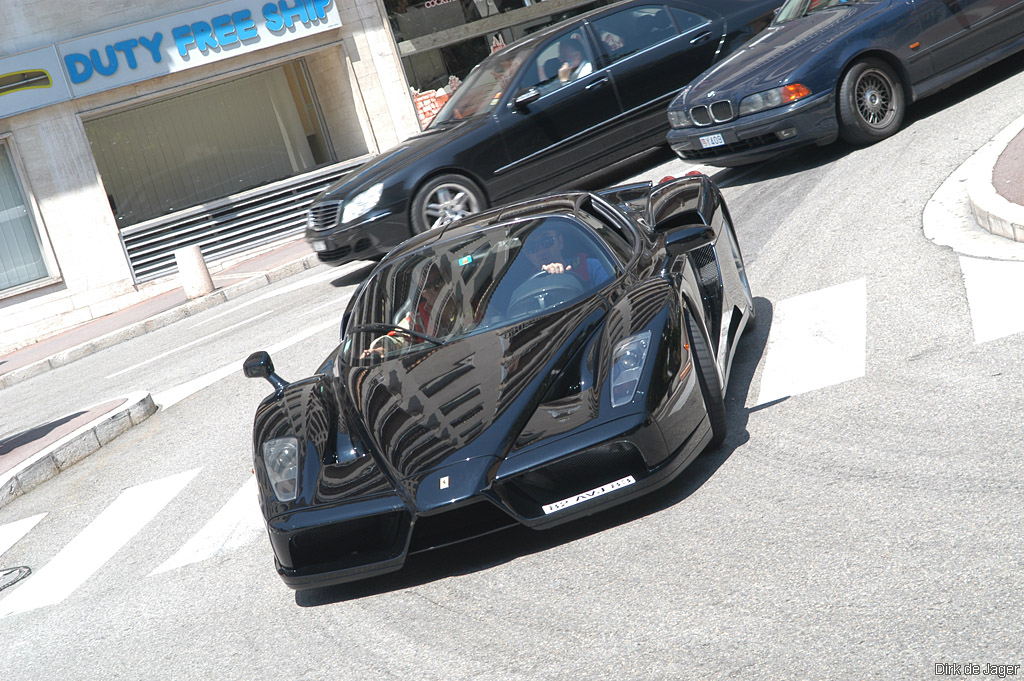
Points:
(677, 118)
(362, 203)
(772, 98)
(281, 457)
(628, 360)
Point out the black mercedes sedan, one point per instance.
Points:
(541, 114)
(528, 365)
(831, 68)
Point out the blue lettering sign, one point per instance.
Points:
(183, 38)
(79, 67)
(273, 19)
(127, 48)
(245, 27)
(204, 36)
(153, 46)
(224, 30)
(108, 69)
(297, 11)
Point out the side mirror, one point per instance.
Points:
(526, 97)
(259, 365)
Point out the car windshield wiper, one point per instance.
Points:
(395, 327)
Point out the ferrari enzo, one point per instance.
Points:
(530, 364)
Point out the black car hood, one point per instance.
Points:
(467, 399)
(781, 49)
(389, 164)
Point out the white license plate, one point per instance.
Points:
(708, 141)
(319, 245)
(587, 496)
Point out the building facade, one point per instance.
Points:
(131, 128)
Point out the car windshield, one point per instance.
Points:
(487, 279)
(483, 87)
(794, 9)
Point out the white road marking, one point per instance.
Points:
(172, 396)
(12, 532)
(334, 273)
(95, 545)
(188, 345)
(816, 340)
(994, 294)
(235, 525)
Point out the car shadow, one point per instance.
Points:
(356, 276)
(515, 542)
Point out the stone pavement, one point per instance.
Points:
(978, 211)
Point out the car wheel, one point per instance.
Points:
(443, 199)
(710, 385)
(870, 103)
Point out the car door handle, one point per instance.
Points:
(596, 83)
(703, 37)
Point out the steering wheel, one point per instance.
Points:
(386, 344)
(551, 291)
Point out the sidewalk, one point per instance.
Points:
(34, 455)
(978, 211)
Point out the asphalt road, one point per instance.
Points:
(862, 519)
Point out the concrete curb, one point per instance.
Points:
(950, 217)
(993, 212)
(75, 446)
(157, 321)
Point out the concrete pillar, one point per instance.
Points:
(192, 270)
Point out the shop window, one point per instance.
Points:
(210, 143)
(21, 253)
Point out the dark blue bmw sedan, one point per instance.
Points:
(836, 68)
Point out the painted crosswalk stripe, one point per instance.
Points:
(12, 532)
(993, 293)
(95, 545)
(235, 525)
(816, 340)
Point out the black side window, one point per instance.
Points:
(688, 21)
(570, 52)
(631, 30)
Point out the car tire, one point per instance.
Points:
(870, 103)
(445, 198)
(710, 385)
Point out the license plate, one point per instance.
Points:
(587, 496)
(319, 245)
(708, 141)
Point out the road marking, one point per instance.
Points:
(993, 294)
(235, 525)
(95, 545)
(188, 345)
(12, 532)
(172, 396)
(333, 273)
(816, 340)
(340, 303)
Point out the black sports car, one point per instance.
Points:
(532, 364)
(552, 108)
(831, 68)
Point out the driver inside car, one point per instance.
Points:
(421, 317)
(547, 251)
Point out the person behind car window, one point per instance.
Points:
(546, 250)
(574, 63)
(420, 317)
